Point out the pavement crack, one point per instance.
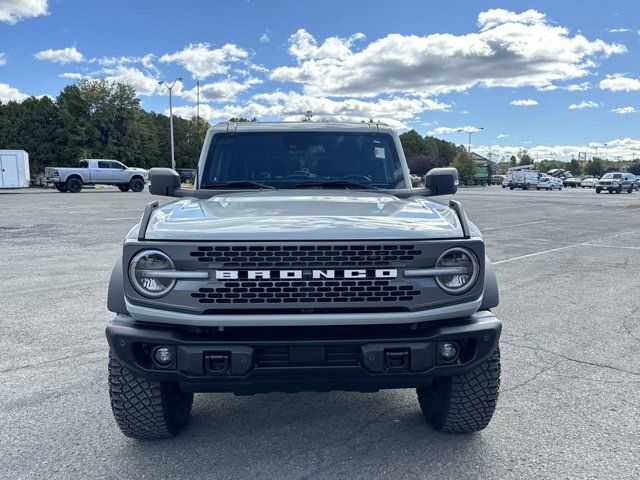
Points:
(39, 364)
(574, 360)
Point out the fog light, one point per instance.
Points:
(448, 352)
(163, 356)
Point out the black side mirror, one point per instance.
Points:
(163, 181)
(442, 181)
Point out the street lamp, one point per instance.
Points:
(596, 146)
(470, 131)
(170, 88)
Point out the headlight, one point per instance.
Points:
(465, 262)
(148, 273)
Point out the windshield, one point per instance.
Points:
(291, 159)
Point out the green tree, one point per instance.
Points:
(574, 167)
(513, 160)
(634, 168)
(596, 167)
(525, 158)
(465, 165)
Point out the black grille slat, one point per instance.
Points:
(337, 256)
(304, 292)
(343, 355)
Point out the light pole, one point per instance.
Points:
(170, 88)
(596, 146)
(470, 132)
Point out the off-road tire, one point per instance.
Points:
(598, 190)
(136, 184)
(61, 188)
(145, 409)
(463, 403)
(124, 188)
(73, 185)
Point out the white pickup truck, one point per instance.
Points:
(96, 172)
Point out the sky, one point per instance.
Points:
(555, 77)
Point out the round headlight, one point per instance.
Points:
(467, 266)
(146, 273)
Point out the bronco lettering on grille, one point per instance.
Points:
(305, 274)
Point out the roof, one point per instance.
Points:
(297, 126)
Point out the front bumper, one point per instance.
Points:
(267, 359)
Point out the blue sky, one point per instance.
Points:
(549, 76)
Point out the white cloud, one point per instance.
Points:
(63, 55)
(525, 102)
(264, 38)
(578, 87)
(498, 16)
(623, 148)
(222, 91)
(510, 50)
(584, 104)
(9, 93)
(202, 61)
(620, 83)
(619, 30)
(447, 130)
(3, 59)
(624, 110)
(142, 82)
(303, 46)
(292, 106)
(12, 11)
(72, 76)
(502, 135)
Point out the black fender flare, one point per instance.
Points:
(115, 295)
(491, 296)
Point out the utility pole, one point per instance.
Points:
(170, 88)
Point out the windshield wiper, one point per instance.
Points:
(239, 184)
(336, 183)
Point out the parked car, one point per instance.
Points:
(96, 172)
(572, 182)
(588, 182)
(524, 177)
(498, 179)
(549, 183)
(616, 182)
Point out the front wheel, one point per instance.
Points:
(145, 409)
(136, 184)
(463, 403)
(598, 190)
(73, 185)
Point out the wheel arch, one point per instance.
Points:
(115, 294)
(491, 295)
(137, 175)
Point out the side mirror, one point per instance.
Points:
(163, 181)
(442, 181)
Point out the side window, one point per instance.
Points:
(117, 165)
(104, 164)
(84, 164)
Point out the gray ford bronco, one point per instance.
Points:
(302, 260)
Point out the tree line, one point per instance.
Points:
(97, 119)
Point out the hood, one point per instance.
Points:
(303, 215)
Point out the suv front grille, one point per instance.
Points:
(326, 256)
(300, 292)
(334, 355)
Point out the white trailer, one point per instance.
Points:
(14, 169)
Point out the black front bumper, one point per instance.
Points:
(252, 360)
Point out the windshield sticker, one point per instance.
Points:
(379, 152)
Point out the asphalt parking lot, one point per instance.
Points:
(568, 264)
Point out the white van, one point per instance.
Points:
(14, 169)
